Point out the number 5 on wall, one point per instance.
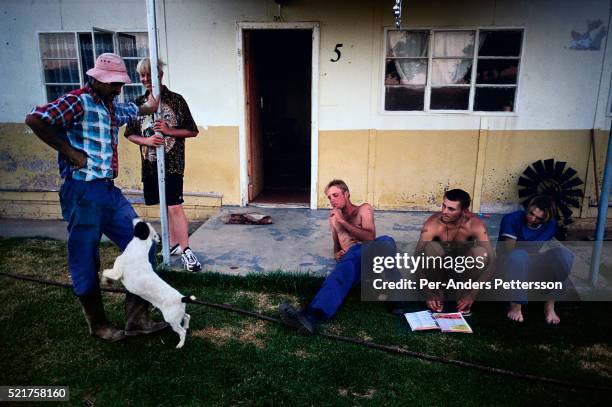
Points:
(337, 51)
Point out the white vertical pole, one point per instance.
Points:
(160, 152)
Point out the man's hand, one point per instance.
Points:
(336, 215)
(434, 305)
(150, 107)
(162, 126)
(338, 255)
(465, 304)
(78, 159)
(154, 141)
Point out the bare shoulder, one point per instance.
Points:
(365, 208)
(432, 221)
(366, 212)
(476, 225)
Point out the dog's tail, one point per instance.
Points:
(188, 298)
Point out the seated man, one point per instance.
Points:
(350, 226)
(453, 232)
(524, 262)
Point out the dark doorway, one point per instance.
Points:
(278, 84)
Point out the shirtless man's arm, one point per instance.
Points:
(428, 233)
(366, 232)
(479, 233)
(338, 250)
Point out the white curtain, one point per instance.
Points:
(457, 44)
(409, 44)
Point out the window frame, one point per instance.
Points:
(472, 86)
(75, 33)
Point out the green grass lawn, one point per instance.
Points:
(230, 359)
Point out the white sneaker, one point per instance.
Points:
(190, 261)
(176, 250)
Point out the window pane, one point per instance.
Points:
(404, 98)
(407, 43)
(57, 46)
(406, 72)
(131, 92)
(130, 64)
(135, 45)
(494, 99)
(104, 43)
(497, 71)
(55, 91)
(454, 44)
(500, 43)
(450, 98)
(61, 71)
(87, 58)
(451, 71)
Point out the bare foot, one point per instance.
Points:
(550, 314)
(515, 313)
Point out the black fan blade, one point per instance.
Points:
(530, 173)
(549, 166)
(526, 182)
(574, 182)
(559, 167)
(538, 166)
(567, 212)
(569, 173)
(527, 192)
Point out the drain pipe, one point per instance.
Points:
(159, 151)
(602, 214)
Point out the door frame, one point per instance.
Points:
(314, 103)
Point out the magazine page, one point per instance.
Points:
(421, 321)
(452, 322)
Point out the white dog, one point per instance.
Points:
(132, 267)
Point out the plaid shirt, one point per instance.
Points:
(90, 126)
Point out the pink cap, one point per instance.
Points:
(109, 68)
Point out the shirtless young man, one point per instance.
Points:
(350, 226)
(455, 224)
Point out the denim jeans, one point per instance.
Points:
(93, 208)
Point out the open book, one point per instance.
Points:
(446, 322)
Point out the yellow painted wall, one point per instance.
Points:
(409, 170)
(510, 152)
(406, 170)
(27, 164)
(398, 169)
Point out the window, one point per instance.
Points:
(443, 70)
(67, 56)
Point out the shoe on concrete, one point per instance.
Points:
(190, 261)
(295, 319)
(176, 250)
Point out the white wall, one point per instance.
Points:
(558, 87)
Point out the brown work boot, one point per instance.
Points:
(93, 309)
(139, 319)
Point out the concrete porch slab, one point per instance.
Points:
(298, 241)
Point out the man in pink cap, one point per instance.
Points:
(83, 127)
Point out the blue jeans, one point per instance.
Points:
(93, 208)
(337, 285)
(553, 265)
